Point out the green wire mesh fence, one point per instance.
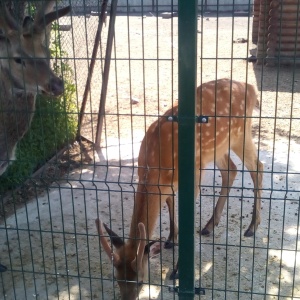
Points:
(50, 245)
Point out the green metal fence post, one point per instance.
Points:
(187, 67)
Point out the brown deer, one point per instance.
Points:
(229, 106)
(24, 71)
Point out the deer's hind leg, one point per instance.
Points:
(248, 155)
(228, 173)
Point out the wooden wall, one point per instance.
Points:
(276, 31)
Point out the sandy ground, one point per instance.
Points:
(50, 245)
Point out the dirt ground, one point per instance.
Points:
(50, 244)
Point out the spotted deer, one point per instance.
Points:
(24, 71)
(229, 106)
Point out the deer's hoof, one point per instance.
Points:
(249, 233)
(169, 244)
(205, 231)
(174, 275)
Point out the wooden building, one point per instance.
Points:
(276, 31)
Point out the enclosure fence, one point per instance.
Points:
(189, 106)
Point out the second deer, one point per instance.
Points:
(24, 71)
(229, 106)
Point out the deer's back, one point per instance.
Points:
(227, 104)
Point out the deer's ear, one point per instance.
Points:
(115, 239)
(115, 258)
(28, 21)
(27, 24)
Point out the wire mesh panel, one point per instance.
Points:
(50, 245)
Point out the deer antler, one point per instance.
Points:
(7, 22)
(115, 258)
(41, 24)
(45, 15)
(47, 6)
(43, 8)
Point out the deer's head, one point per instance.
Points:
(24, 53)
(129, 259)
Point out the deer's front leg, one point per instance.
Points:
(173, 236)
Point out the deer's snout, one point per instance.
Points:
(56, 86)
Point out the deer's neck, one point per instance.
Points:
(146, 210)
(17, 106)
